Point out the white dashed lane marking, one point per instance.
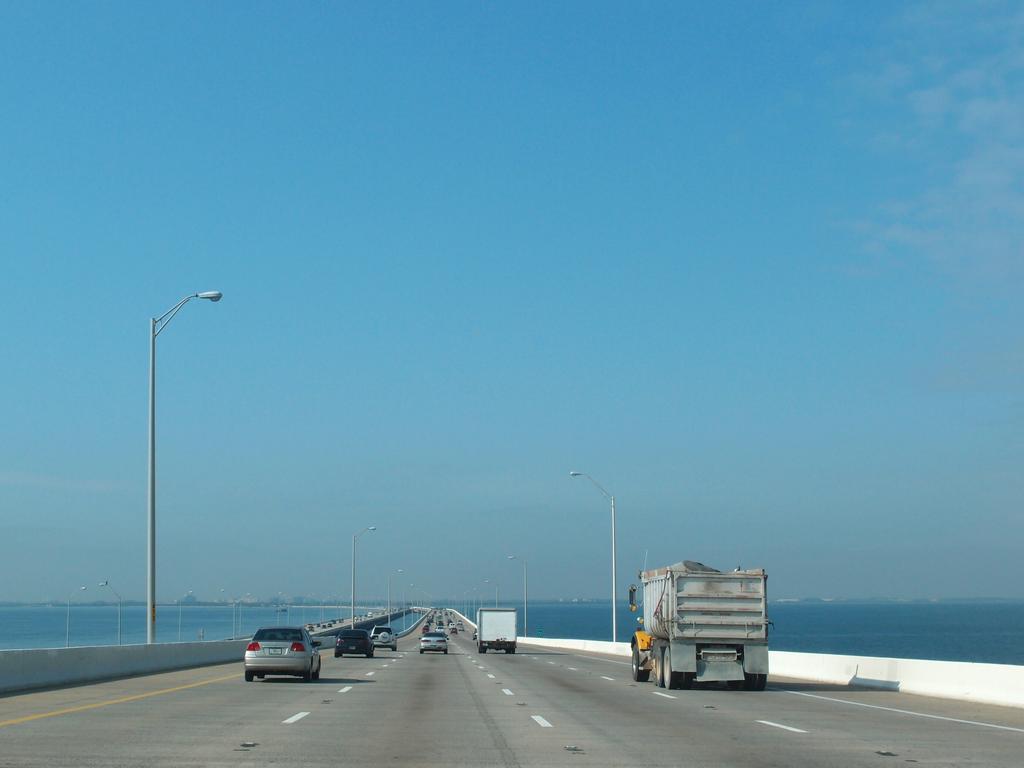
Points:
(490, 675)
(541, 721)
(605, 677)
(346, 689)
(779, 725)
(907, 712)
(663, 695)
(370, 674)
(572, 669)
(294, 718)
(507, 692)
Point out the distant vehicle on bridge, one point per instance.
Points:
(383, 637)
(354, 641)
(496, 629)
(434, 641)
(282, 651)
(702, 625)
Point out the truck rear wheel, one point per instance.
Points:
(661, 680)
(755, 682)
(671, 678)
(639, 675)
(676, 680)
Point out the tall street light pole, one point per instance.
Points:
(106, 584)
(67, 622)
(156, 325)
(615, 634)
(525, 614)
(352, 622)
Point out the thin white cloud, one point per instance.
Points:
(953, 103)
(12, 479)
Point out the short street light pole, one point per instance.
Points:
(390, 574)
(179, 615)
(495, 591)
(106, 584)
(352, 622)
(156, 325)
(525, 614)
(67, 622)
(615, 634)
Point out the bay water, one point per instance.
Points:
(979, 631)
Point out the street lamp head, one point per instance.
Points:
(511, 557)
(372, 528)
(575, 474)
(211, 295)
(103, 584)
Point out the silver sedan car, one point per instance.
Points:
(282, 651)
(434, 641)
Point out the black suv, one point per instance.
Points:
(353, 641)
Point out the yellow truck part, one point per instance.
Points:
(642, 640)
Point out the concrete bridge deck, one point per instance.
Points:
(539, 707)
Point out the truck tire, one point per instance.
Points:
(481, 649)
(639, 675)
(671, 678)
(676, 680)
(661, 680)
(755, 682)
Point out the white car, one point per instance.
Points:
(434, 641)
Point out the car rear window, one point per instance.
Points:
(434, 634)
(278, 635)
(354, 633)
(379, 630)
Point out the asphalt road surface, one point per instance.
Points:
(535, 708)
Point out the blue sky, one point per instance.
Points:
(757, 268)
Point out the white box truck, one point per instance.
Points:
(702, 625)
(496, 628)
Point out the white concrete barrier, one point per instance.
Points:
(47, 667)
(1001, 684)
(409, 630)
(594, 646)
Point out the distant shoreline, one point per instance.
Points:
(545, 601)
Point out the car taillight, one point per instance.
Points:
(253, 646)
(298, 647)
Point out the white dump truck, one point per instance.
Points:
(496, 628)
(702, 625)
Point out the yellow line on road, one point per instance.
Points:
(122, 700)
